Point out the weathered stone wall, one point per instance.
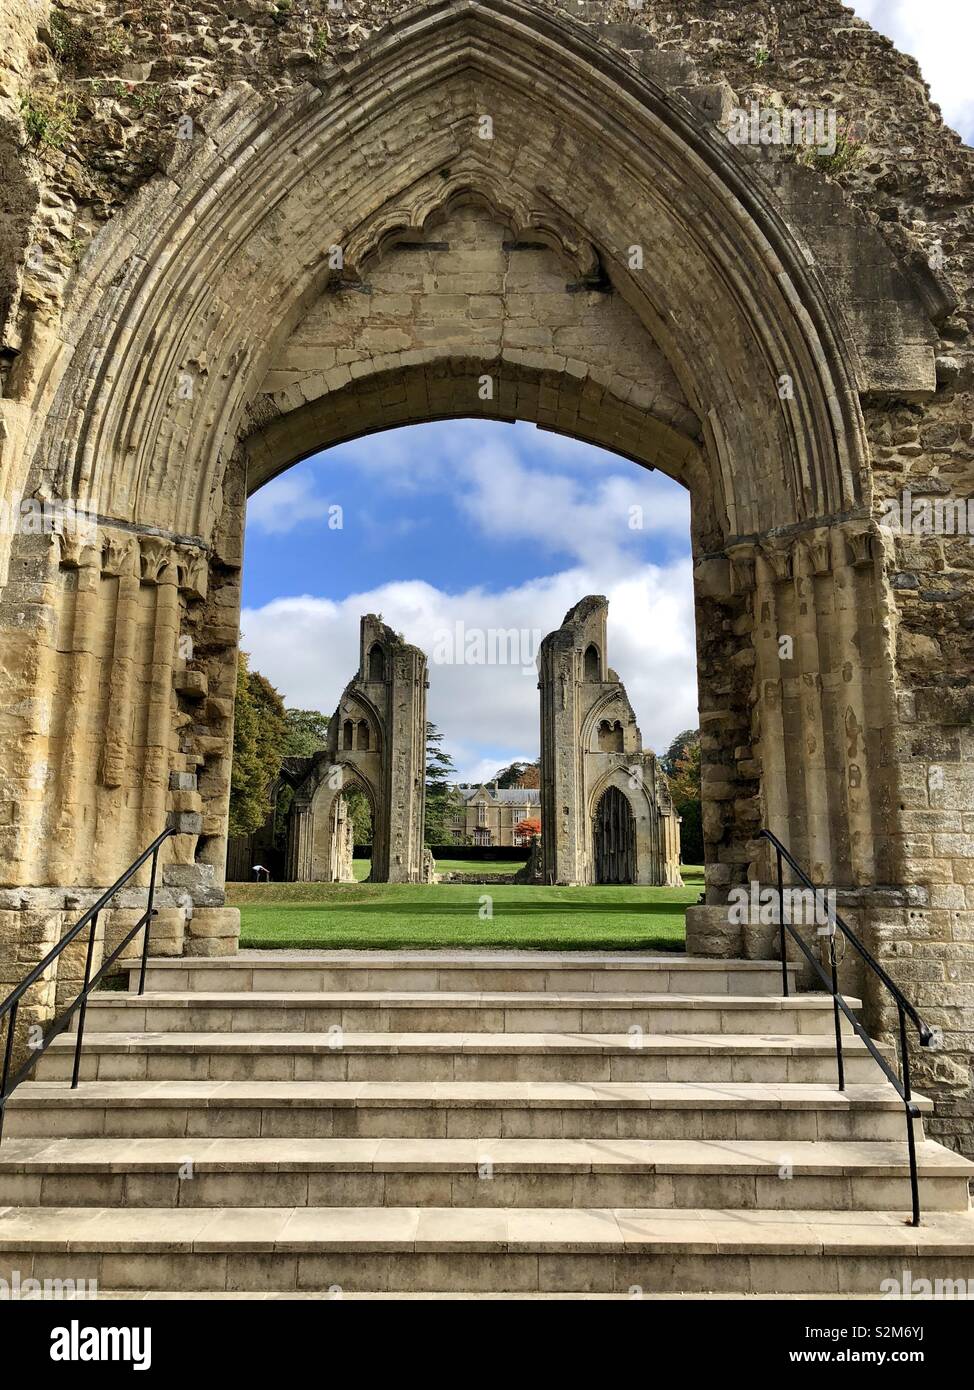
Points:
(590, 743)
(377, 744)
(859, 743)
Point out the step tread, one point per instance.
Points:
(272, 959)
(425, 999)
(520, 1229)
(690, 1044)
(535, 1094)
(397, 1295)
(872, 1158)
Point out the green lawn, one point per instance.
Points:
(479, 866)
(383, 915)
(361, 867)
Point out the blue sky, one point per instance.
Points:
(490, 525)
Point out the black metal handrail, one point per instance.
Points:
(9, 1007)
(904, 1008)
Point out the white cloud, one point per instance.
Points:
(285, 502)
(596, 520)
(515, 482)
(308, 648)
(940, 35)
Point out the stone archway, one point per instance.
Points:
(614, 839)
(366, 252)
(320, 844)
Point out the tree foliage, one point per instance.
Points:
(441, 796)
(305, 732)
(360, 813)
(519, 774)
(258, 747)
(681, 763)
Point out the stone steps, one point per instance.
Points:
(439, 1295)
(279, 1056)
(395, 1011)
(462, 972)
(453, 1109)
(744, 1174)
(522, 1249)
(444, 1124)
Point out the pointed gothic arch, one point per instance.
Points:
(163, 394)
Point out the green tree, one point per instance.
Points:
(361, 815)
(441, 798)
(519, 774)
(681, 763)
(258, 742)
(305, 732)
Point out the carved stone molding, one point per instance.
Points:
(192, 571)
(156, 560)
(819, 552)
(76, 549)
(119, 554)
(861, 552)
(741, 558)
(780, 557)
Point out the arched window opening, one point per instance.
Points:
(610, 736)
(593, 663)
(348, 734)
(377, 664)
(363, 735)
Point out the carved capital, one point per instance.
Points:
(860, 544)
(76, 549)
(779, 557)
(155, 554)
(119, 554)
(741, 558)
(819, 552)
(192, 571)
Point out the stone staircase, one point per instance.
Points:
(469, 1124)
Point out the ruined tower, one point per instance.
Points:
(605, 803)
(377, 743)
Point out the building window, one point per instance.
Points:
(482, 813)
(377, 664)
(481, 837)
(611, 738)
(457, 817)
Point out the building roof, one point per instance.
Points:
(520, 796)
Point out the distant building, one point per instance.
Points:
(490, 814)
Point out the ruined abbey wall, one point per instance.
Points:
(855, 734)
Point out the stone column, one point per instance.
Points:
(849, 563)
(772, 565)
(805, 561)
(80, 560)
(120, 561)
(159, 570)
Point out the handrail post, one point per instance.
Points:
(7, 1054)
(908, 1106)
(148, 920)
(839, 1059)
(76, 1073)
(782, 939)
